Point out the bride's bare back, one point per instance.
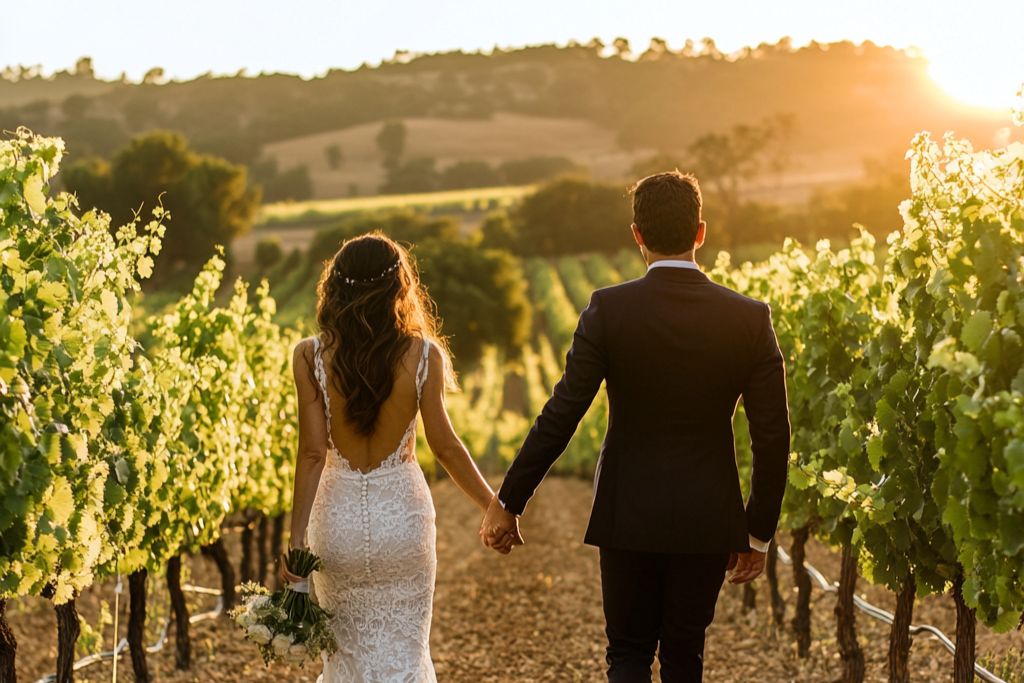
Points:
(365, 453)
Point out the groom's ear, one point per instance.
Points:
(637, 237)
(702, 229)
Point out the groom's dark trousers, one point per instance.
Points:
(676, 352)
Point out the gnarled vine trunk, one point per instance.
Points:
(846, 618)
(262, 542)
(8, 647)
(899, 634)
(182, 641)
(771, 571)
(137, 624)
(68, 631)
(963, 661)
(245, 569)
(802, 618)
(749, 597)
(219, 554)
(277, 546)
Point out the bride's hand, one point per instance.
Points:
(508, 541)
(285, 575)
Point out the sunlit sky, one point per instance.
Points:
(974, 46)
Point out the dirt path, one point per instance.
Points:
(532, 616)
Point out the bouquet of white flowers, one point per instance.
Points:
(286, 625)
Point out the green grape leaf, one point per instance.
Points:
(798, 479)
(875, 450)
(61, 502)
(976, 329)
(32, 187)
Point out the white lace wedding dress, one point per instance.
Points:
(375, 533)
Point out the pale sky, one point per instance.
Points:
(975, 45)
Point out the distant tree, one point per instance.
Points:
(621, 47)
(154, 75)
(469, 173)
(268, 253)
(83, 67)
(572, 216)
(334, 156)
(209, 199)
(657, 49)
(415, 175)
(535, 169)
(726, 162)
(391, 141)
(497, 232)
(709, 49)
(481, 295)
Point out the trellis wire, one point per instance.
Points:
(160, 642)
(887, 617)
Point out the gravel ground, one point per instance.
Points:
(534, 615)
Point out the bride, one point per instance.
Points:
(361, 502)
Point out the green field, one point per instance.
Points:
(451, 201)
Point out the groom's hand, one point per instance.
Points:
(745, 567)
(499, 529)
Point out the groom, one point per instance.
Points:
(676, 352)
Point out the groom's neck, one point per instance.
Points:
(653, 257)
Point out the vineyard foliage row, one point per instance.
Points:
(905, 370)
(117, 457)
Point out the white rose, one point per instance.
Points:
(248, 619)
(297, 653)
(258, 601)
(259, 634)
(240, 618)
(281, 644)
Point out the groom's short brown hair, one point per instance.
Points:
(666, 211)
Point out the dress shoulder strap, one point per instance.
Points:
(422, 369)
(321, 378)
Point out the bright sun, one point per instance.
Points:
(979, 78)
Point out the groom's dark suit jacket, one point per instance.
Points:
(676, 351)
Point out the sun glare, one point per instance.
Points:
(974, 79)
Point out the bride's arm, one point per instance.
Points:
(312, 452)
(444, 442)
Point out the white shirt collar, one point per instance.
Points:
(673, 263)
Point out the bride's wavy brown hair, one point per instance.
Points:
(370, 307)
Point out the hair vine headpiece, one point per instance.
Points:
(356, 281)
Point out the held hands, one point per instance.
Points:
(499, 529)
(745, 567)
